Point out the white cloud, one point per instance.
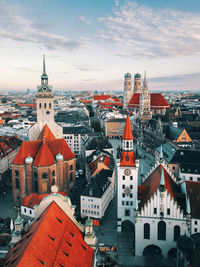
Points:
(148, 32)
(18, 28)
(84, 19)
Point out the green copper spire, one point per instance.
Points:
(44, 67)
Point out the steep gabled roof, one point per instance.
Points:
(153, 183)
(157, 101)
(44, 156)
(46, 134)
(128, 135)
(193, 193)
(43, 153)
(52, 240)
(101, 97)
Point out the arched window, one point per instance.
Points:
(161, 230)
(146, 231)
(40, 105)
(45, 105)
(71, 167)
(177, 231)
(127, 144)
(44, 175)
(53, 173)
(49, 105)
(17, 183)
(53, 181)
(16, 173)
(71, 176)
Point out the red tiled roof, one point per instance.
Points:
(53, 147)
(110, 103)
(44, 156)
(52, 240)
(157, 101)
(193, 192)
(101, 158)
(103, 107)
(153, 183)
(127, 158)
(101, 97)
(116, 99)
(46, 134)
(35, 199)
(84, 101)
(128, 135)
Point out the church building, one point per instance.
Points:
(140, 100)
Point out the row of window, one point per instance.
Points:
(127, 203)
(91, 206)
(130, 195)
(124, 177)
(90, 212)
(155, 211)
(30, 211)
(161, 231)
(90, 199)
(123, 186)
(45, 105)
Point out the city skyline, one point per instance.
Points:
(91, 45)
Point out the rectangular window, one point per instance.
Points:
(122, 203)
(155, 210)
(127, 203)
(97, 213)
(173, 168)
(123, 177)
(24, 209)
(131, 195)
(30, 211)
(97, 206)
(195, 229)
(83, 211)
(127, 213)
(131, 186)
(168, 211)
(131, 203)
(191, 178)
(123, 186)
(195, 222)
(123, 194)
(198, 179)
(131, 177)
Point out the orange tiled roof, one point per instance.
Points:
(128, 135)
(127, 158)
(157, 101)
(35, 199)
(52, 240)
(49, 150)
(101, 97)
(102, 158)
(30, 105)
(46, 134)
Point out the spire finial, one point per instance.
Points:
(145, 85)
(188, 210)
(44, 67)
(161, 154)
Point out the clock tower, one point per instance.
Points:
(45, 109)
(127, 171)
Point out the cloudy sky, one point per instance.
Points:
(91, 44)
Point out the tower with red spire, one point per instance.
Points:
(127, 170)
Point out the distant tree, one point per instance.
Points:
(96, 125)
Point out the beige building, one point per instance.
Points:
(114, 127)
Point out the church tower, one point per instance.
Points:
(45, 109)
(45, 100)
(127, 171)
(137, 83)
(127, 90)
(145, 108)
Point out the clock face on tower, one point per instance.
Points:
(127, 172)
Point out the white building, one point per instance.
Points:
(127, 172)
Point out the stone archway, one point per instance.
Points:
(152, 250)
(128, 227)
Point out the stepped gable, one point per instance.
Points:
(128, 135)
(157, 101)
(44, 156)
(127, 159)
(43, 152)
(153, 183)
(52, 240)
(193, 192)
(46, 134)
